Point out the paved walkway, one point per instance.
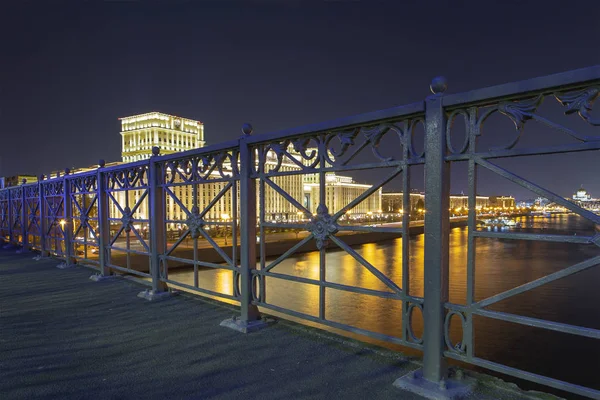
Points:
(63, 336)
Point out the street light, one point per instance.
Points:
(225, 217)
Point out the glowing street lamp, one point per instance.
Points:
(62, 224)
(225, 217)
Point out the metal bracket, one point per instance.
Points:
(454, 388)
(239, 325)
(100, 277)
(153, 295)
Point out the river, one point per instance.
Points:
(501, 264)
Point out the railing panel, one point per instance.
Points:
(32, 211)
(4, 215)
(200, 251)
(127, 189)
(577, 130)
(16, 214)
(54, 215)
(85, 227)
(302, 209)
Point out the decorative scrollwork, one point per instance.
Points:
(84, 221)
(84, 184)
(129, 178)
(375, 134)
(346, 140)
(16, 193)
(31, 191)
(450, 126)
(459, 347)
(127, 219)
(291, 153)
(322, 226)
(409, 329)
(520, 112)
(195, 223)
(301, 146)
(33, 218)
(203, 168)
(410, 138)
(580, 102)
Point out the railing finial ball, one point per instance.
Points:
(247, 129)
(439, 84)
(24, 181)
(155, 150)
(101, 163)
(41, 178)
(67, 171)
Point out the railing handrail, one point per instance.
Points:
(213, 148)
(507, 91)
(342, 123)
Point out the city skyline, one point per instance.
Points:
(259, 63)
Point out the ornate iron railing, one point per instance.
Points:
(149, 217)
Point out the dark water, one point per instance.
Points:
(500, 265)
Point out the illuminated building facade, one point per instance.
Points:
(139, 133)
(17, 180)
(340, 191)
(582, 195)
(502, 201)
(392, 202)
(583, 199)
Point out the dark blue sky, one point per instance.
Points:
(69, 70)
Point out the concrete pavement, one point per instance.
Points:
(63, 336)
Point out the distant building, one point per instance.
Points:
(17, 180)
(392, 202)
(139, 133)
(502, 201)
(340, 191)
(585, 200)
(582, 195)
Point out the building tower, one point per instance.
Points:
(139, 133)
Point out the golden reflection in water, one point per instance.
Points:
(224, 281)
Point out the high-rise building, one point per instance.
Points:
(172, 134)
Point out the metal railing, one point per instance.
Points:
(139, 218)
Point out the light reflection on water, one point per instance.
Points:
(500, 266)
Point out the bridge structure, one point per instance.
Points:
(60, 214)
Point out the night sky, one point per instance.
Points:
(69, 70)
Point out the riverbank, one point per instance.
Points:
(275, 246)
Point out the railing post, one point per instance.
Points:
(68, 227)
(24, 217)
(43, 224)
(432, 380)
(437, 198)
(103, 222)
(156, 198)
(250, 318)
(11, 237)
